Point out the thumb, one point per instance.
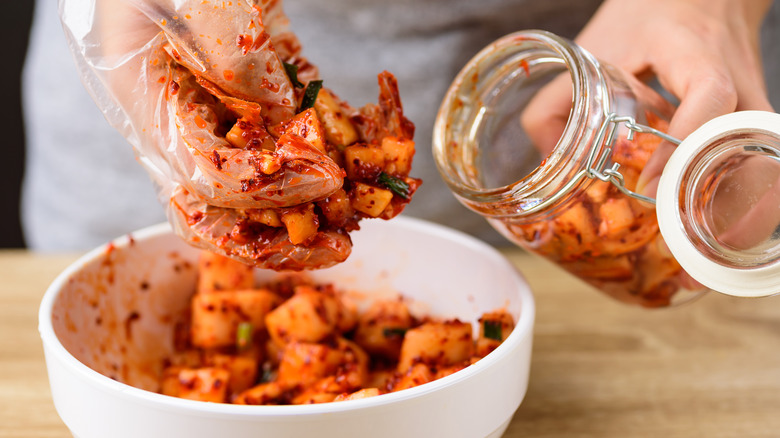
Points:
(708, 96)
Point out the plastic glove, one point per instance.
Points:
(201, 89)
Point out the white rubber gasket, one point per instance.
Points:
(742, 282)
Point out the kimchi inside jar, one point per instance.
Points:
(572, 201)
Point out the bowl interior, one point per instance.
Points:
(116, 309)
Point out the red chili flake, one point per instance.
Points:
(195, 218)
(249, 44)
(524, 65)
(265, 83)
(173, 89)
(244, 42)
(109, 249)
(131, 318)
(246, 185)
(216, 159)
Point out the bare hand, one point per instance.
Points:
(706, 53)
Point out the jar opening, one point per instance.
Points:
(729, 198)
(484, 152)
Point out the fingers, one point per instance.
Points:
(703, 97)
(757, 217)
(710, 80)
(545, 116)
(707, 55)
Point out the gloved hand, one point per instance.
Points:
(214, 98)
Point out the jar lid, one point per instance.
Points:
(718, 204)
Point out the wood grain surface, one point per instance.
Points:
(710, 368)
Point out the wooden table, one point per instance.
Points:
(600, 368)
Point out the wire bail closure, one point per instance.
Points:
(595, 164)
(607, 136)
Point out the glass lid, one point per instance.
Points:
(718, 204)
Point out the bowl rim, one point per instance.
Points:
(523, 329)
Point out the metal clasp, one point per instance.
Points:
(595, 166)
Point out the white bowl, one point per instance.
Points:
(107, 320)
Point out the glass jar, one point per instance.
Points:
(716, 224)
(576, 205)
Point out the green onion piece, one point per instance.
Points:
(268, 373)
(393, 332)
(492, 330)
(310, 94)
(244, 335)
(395, 185)
(292, 73)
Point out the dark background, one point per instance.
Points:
(14, 31)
